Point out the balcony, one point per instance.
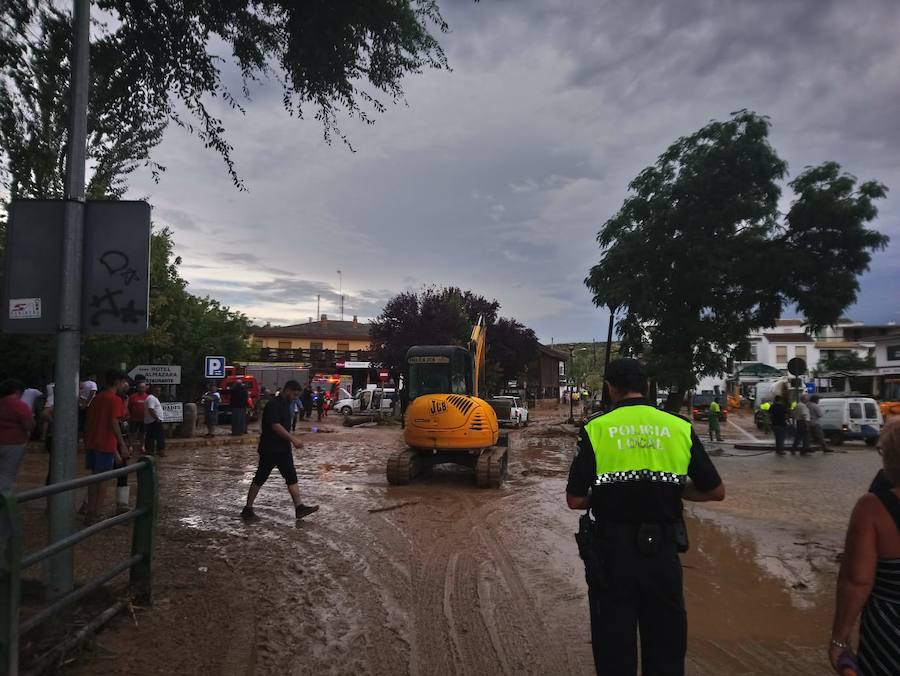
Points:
(316, 359)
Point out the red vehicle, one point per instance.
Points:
(251, 385)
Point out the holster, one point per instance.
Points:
(590, 549)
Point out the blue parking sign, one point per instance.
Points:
(214, 367)
(810, 388)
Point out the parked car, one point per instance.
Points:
(364, 401)
(851, 418)
(700, 405)
(509, 410)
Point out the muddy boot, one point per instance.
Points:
(305, 510)
(247, 514)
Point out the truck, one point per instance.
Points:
(510, 410)
(367, 401)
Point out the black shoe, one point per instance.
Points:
(305, 510)
(779, 452)
(247, 514)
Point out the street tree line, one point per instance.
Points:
(698, 256)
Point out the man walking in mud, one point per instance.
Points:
(633, 467)
(276, 445)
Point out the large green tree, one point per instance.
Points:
(698, 255)
(158, 62)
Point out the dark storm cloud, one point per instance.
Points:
(497, 175)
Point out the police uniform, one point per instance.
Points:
(635, 461)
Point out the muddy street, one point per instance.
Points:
(443, 578)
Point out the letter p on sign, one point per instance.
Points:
(215, 367)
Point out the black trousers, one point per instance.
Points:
(644, 593)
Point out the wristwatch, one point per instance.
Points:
(839, 644)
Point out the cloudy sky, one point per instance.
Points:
(496, 176)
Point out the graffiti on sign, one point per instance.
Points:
(121, 274)
(117, 268)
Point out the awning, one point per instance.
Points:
(759, 370)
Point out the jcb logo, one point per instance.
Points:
(438, 406)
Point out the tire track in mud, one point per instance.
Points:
(485, 620)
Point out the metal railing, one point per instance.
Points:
(13, 561)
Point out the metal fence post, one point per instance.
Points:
(10, 583)
(143, 534)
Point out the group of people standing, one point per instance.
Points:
(806, 416)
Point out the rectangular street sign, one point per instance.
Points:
(173, 412)
(116, 267)
(214, 367)
(33, 262)
(116, 295)
(158, 374)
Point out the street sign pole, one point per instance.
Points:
(68, 341)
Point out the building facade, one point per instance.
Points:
(325, 334)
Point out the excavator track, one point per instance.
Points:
(402, 467)
(492, 467)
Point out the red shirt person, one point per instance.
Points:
(103, 441)
(136, 404)
(16, 423)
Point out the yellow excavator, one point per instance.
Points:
(445, 420)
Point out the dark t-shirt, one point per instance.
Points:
(276, 412)
(239, 397)
(641, 501)
(778, 414)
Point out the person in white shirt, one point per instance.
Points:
(155, 434)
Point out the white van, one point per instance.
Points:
(851, 418)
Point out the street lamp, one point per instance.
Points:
(571, 419)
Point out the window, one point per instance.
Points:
(258, 342)
(780, 354)
(754, 351)
(284, 345)
(315, 346)
(855, 410)
(871, 410)
(343, 347)
(893, 352)
(800, 351)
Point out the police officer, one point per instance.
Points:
(634, 466)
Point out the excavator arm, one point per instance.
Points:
(477, 346)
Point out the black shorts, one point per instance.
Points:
(269, 460)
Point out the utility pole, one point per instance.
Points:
(341, 291)
(604, 398)
(68, 340)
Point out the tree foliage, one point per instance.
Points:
(698, 255)
(163, 61)
(445, 316)
(34, 118)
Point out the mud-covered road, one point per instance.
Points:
(460, 580)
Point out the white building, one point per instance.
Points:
(791, 338)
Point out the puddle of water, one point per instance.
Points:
(764, 584)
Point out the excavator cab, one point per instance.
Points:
(445, 420)
(439, 369)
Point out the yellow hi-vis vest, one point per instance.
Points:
(640, 443)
